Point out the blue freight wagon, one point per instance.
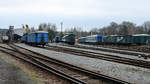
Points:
(24, 38)
(38, 38)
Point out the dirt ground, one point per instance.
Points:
(10, 74)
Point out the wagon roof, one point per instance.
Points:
(94, 35)
(141, 35)
(82, 37)
(41, 32)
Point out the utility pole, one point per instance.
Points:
(61, 26)
(61, 34)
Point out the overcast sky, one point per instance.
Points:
(81, 13)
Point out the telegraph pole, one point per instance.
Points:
(61, 34)
(61, 26)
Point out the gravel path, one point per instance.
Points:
(9, 74)
(128, 73)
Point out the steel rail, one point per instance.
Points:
(145, 55)
(118, 59)
(41, 65)
(94, 74)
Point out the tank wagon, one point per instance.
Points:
(36, 38)
(69, 38)
(94, 39)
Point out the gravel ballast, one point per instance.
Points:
(108, 53)
(124, 72)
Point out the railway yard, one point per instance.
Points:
(74, 42)
(59, 63)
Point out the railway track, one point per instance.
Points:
(76, 74)
(118, 47)
(113, 58)
(132, 53)
(31, 60)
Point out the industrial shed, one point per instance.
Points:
(17, 34)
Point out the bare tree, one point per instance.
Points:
(32, 29)
(50, 28)
(94, 31)
(146, 27)
(76, 30)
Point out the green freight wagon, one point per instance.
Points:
(109, 39)
(141, 39)
(112, 39)
(126, 40)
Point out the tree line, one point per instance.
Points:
(124, 28)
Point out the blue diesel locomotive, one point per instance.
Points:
(57, 39)
(36, 38)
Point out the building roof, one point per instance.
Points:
(19, 31)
